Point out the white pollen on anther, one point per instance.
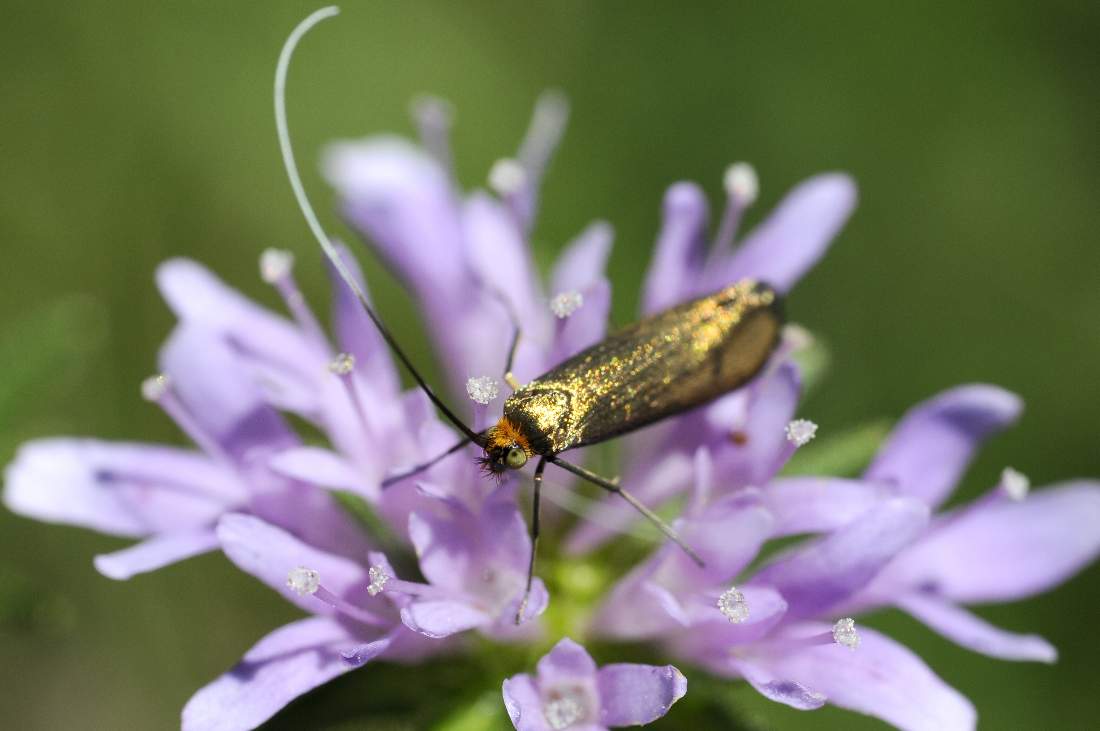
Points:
(303, 581)
(845, 633)
(275, 264)
(566, 303)
(801, 432)
(564, 710)
(342, 364)
(378, 578)
(1015, 484)
(483, 389)
(507, 176)
(741, 183)
(154, 387)
(733, 605)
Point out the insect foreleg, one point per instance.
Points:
(508, 377)
(613, 486)
(534, 539)
(424, 465)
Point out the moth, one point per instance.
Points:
(661, 366)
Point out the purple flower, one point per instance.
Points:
(475, 561)
(171, 497)
(353, 623)
(1004, 546)
(570, 692)
(878, 547)
(466, 258)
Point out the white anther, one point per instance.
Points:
(342, 364)
(507, 177)
(845, 633)
(566, 303)
(483, 389)
(303, 581)
(378, 578)
(733, 605)
(741, 183)
(564, 709)
(275, 264)
(801, 432)
(154, 387)
(1015, 484)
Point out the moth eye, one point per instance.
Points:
(516, 458)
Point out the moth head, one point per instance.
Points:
(499, 458)
(505, 449)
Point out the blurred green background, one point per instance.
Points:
(131, 132)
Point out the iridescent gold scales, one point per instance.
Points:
(666, 364)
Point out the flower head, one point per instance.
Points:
(570, 692)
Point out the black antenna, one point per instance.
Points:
(315, 225)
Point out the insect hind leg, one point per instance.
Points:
(613, 486)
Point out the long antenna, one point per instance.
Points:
(315, 225)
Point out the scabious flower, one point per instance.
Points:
(775, 626)
(569, 691)
(274, 504)
(171, 497)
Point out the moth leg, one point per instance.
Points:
(391, 479)
(614, 487)
(508, 377)
(534, 540)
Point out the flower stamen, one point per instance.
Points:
(566, 303)
(158, 389)
(732, 604)
(801, 432)
(1014, 484)
(482, 389)
(305, 581)
(277, 269)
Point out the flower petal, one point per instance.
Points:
(818, 504)
(1003, 551)
(932, 445)
(880, 678)
(219, 395)
(120, 488)
(500, 259)
(438, 618)
(356, 333)
(402, 198)
(584, 260)
(290, 661)
(711, 640)
(633, 695)
(566, 660)
(727, 535)
(270, 553)
(524, 704)
(792, 239)
(317, 466)
(673, 271)
(787, 692)
(156, 552)
(587, 325)
(975, 633)
(819, 575)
